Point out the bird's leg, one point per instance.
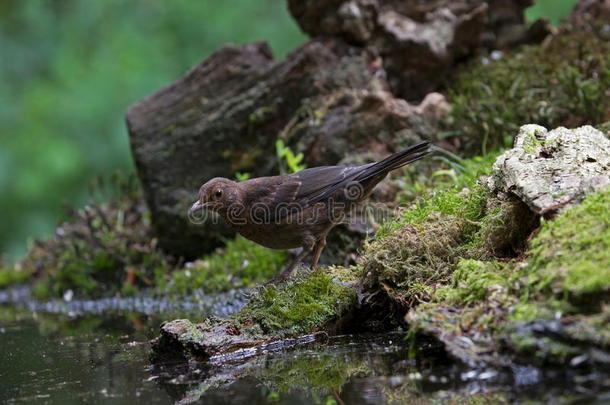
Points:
(288, 270)
(317, 252)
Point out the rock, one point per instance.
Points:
(553, 170)
(179, 134)
(300, 310)
(216, 342)
(419, 41)
(327, 99)
(588, 11)
(353, 20)
(547, 304)
(417, 54)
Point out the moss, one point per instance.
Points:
(238, 264)
(303, 304)
(473, 281)
(528, 310)
(520, 303)
(571, 254)
(504, 229)
(419, 250)
(407, 263)
(452, 195)
(562, 83)
(10, 276)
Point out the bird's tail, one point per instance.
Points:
(395, 161)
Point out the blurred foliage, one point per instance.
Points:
(102, 249)
(554, 10)
(68, 71)
(70, 68)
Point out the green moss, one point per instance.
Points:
(238, 264)
(303, 304)
(572, 253)
(10, 276)
(560, 84)
(566, 271)
(449, 202)
(473, 281)
(528, 310)
(420, 248)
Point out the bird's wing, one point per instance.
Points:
(291, 193)
(319, 181)
(303, 189)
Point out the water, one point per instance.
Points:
(98, 352)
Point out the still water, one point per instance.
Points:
(98, 352)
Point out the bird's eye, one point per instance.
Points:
(218, 193)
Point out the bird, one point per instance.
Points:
(298, 210)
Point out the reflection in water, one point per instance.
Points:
(57, 358)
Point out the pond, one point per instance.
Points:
(71, 351)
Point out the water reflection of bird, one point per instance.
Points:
(299, 209)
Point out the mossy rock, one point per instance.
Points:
(563, 82)
(275, 318)
(309, 302)
(551, 307)
(420, 250)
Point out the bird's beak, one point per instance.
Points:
(197, 206)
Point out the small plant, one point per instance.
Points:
(242, 176)
(287, 160)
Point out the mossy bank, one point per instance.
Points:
(109, 249)
(467, 263)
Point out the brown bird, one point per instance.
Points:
(299, 209)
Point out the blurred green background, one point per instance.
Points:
(69, 69)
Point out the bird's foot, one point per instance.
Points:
(277, 280)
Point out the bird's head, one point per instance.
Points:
(217, 195)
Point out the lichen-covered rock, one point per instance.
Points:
(418, 41)
(216, 341)
(327, 99)
(276, 318)
(553, 170)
